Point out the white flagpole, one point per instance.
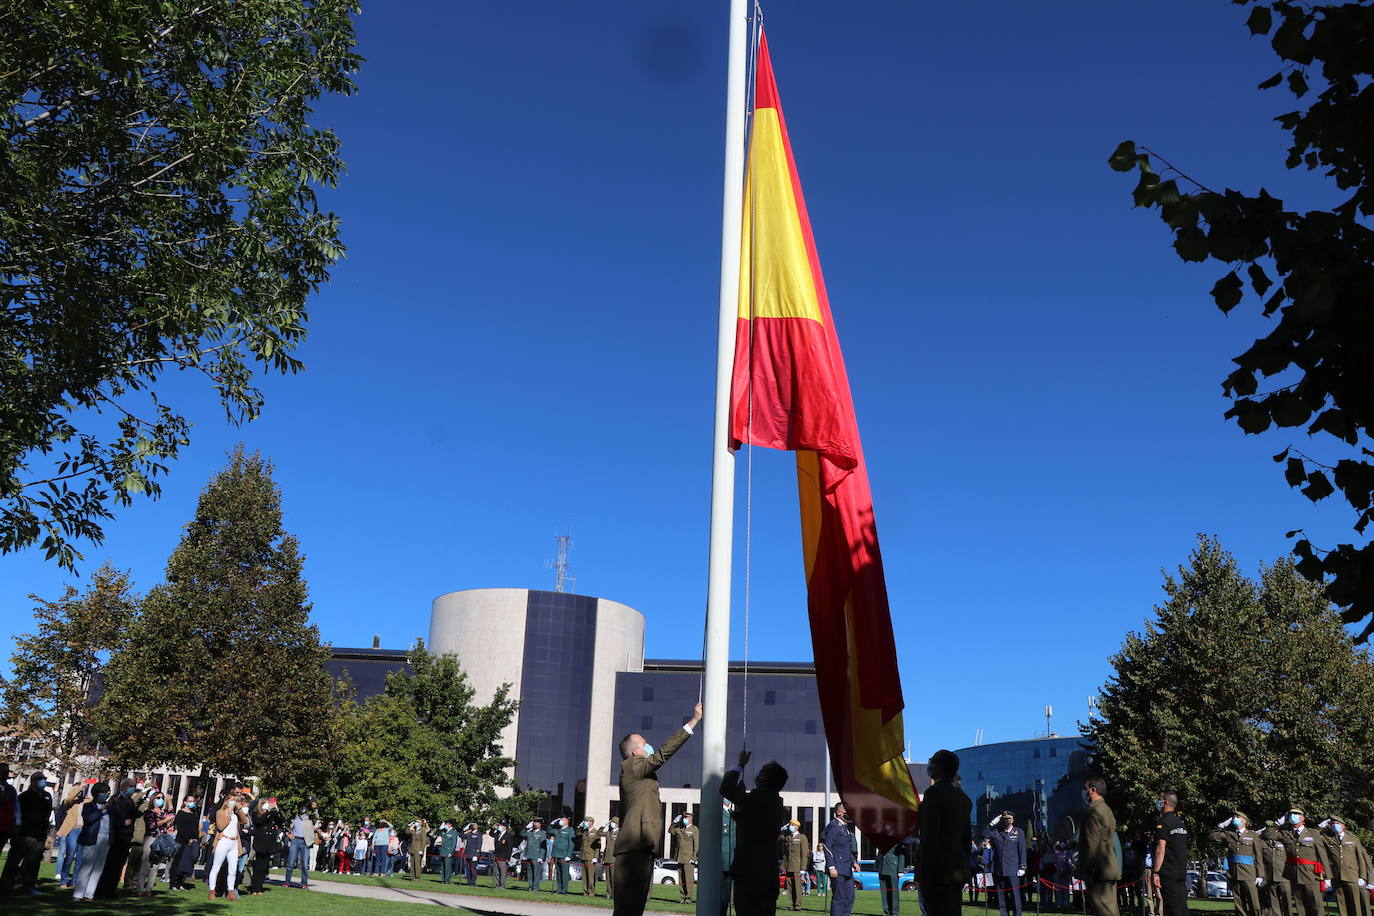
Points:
(717, 655)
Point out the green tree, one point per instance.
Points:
(53, 670)
(223, 669)
(423, 747)
(1312, 269)
(1238, 693)
(157, 212)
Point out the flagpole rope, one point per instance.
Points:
(749, 454)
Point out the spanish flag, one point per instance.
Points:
(790, 391)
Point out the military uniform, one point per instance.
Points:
(589, 842)
(796, 856)
(1245, 858)
(1276, 894)
(688, 839)
(641, 827)
(1305, 864)
(561, 853)
(608, 837)
(1349, 865)
(727, 860)
(890, 865)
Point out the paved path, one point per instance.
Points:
(476, 903)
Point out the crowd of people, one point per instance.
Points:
(102, 835)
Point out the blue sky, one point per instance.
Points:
(522, 335)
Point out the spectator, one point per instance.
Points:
(95, 837)
(312, 845)
(302, 830)
(757, 814)
(381, 839)
(9, 806)
(65, 843)
(229, 821)
(156, 821)
(267, 825)
(945, 837)
(1063, 875)
(362, 842)
(125, 810)
(187, 824)
(818, 867)
(30, 835)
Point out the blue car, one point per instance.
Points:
(866, 875)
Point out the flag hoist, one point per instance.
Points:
(782, 384)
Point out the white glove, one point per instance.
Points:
(1362, 883)
(994, 821)
(1020, 872)
(1322, 825)
(1224, 824)
(1259, 882)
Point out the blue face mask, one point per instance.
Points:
(1236, 822)
(159, 802)
(101, 796)
(1339, 828)
(191, 805)
(42, 783)
(1159, 804)
(648, 749)
(1295, 819)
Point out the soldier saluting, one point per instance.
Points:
(1349, 864)
(1306, 864)
(1245, 856)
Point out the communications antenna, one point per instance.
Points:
(562, 578)
(1049, 729)
(1093, 709)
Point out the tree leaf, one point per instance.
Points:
(1260, 20)
(1227, 292)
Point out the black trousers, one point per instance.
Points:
(115, 861)
(261, 859)
(944, 899)
(754, 895)
(1174, 893)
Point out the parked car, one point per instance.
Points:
(866, 875)
(668, 871)
(1217, 885)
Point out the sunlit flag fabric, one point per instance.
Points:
(790, 391)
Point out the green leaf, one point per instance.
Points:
(1124, 158)
(1260, 21)
(1227, 292)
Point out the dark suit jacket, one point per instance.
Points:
(758, 817)
(1097, 857)
(641, 820)
(945, 835)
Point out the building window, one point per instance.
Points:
(648, 694)
(980, 775)
(770, 698)
(1054, 752)
(810, 727)
(646, 723)
(1036, 753)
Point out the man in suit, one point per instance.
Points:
(688, 840)
(757, 815)
(945, 837)
(1008, 860)
(641, 830)
(839, 861)
(503, 845)
(1099, 853)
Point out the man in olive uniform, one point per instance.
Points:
(1276, 894)
(1349, 865)
(588, 845)
(1245, 858)
(641, 827)
(796, 858)
(608, 837)
(562, 836)
(688, 839)
(1171, 855)
(890, 865)
(1099, 852)
(945, 838)
(753, 859)
(419, 845)
(1305, 853)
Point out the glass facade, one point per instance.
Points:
(367, 668)
(784, 715)
(1038, 780)
(556, 698)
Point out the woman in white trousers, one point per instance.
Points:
(228, 819)
(93, 857)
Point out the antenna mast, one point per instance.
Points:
(562, 578)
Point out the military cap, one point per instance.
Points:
(616, 821)
(1241, 814)
(795, 823)
(1294, 809)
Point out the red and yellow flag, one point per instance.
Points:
(790, 391)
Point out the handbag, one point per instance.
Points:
(164, 847)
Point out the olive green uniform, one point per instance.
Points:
(688, 848)
(1349, 864)
(1245, 857)
(796, 858)
(1276, 895)
(608, 834)
(588, 843)
(1305, 864)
